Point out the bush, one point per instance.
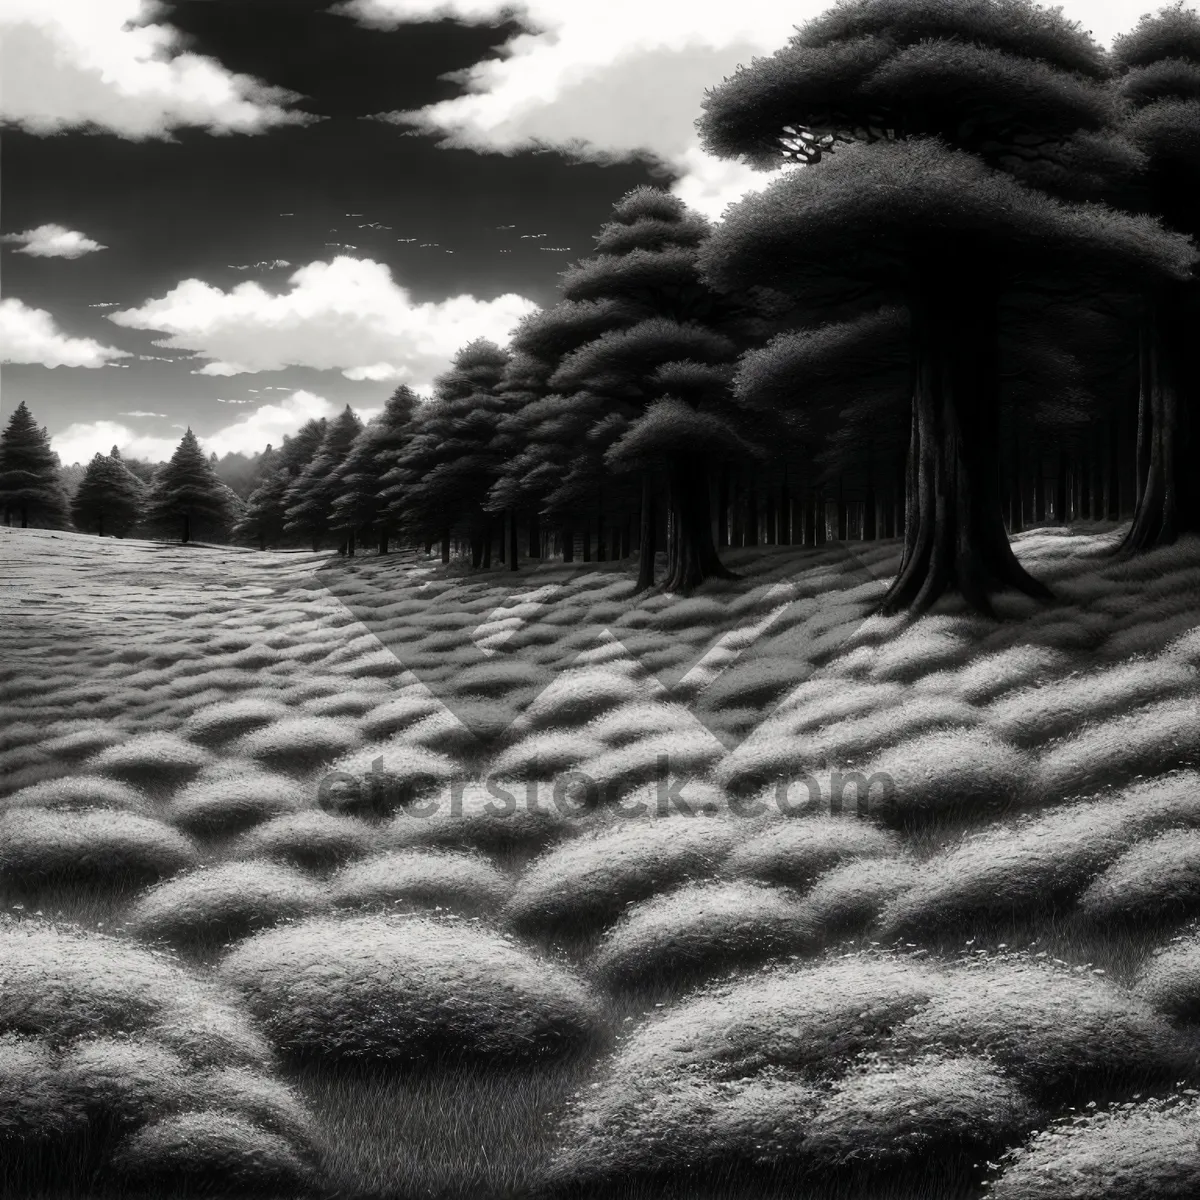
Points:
(232, 797)
(796, 851)
(84, 740)
(160, 759)
(123, 1079)
(312, 839)
(217, 723)
(61, 984)
(213, 1148)
(577, 696)
(1154, 880)
(541, 756)
(405, 988)
(1147, 1151)
(701, 928)
(393, 715)
(299, 744)
(884, 1113)
(688, 751)
(587, 882)
(467, 882)
(39, 845)
(226, 901)
(992, 675)
(78, 791)
(388, 775)
(1170, 979)
(34, 1103)
(852, 896)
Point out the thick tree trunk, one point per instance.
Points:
(955, 540)
(843, 516)
(647, 542)
(1169, 503)
(568, 546)
(723, 508)
(870, 512)
(262, 541)
(770, 530)
(488, 537)
(476, 551)
(535, 535)
(751, 538)
(585, 539)
(383, 542)
(445, 545)
(100, 524)
(513, 563)
(185, 538)
(350, 543)
(1112, 481)
(691, 555)
(1060, 490)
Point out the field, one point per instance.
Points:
(381, 878)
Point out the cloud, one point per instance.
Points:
(347, 315)
(613, 80)
(137, 412)
(53, 241)
(30, 335)
(110, 65)
(270, 423)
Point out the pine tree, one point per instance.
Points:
(109, 498)
(309, 498)
(187, 497)
(932, 110)
(30, 486)
(262, 524)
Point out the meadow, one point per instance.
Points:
(381, 878)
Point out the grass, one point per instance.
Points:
(463, 881)
(232, 797)
(312, 839)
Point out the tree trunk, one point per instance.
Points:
(1060, 490)
(445, 545)
(187, 526)
(262, 541)
(956, 539)
(513, 563)
(601, 547)
(350, 543)
(568, 546)
(535, 535)
(870, 514)
(751, 538)
(383, 542)
(723, 507)
(691, 555)
(647, 540)
(585, 538)
(476, 551)
(100, 524)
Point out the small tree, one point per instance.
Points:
(29, 474)
(109, 498)
(187, 496)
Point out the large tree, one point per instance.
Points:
(310, 496)
(109, 498)
(262, 523)
(30, 485)
(1159, 61)
(187, 497)
(922, 123)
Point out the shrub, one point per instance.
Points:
(687, 751)
(541, 756)
(635, 720)
(852, 896)
(212, 1147)
(795, 852)
(587, 882)
(1147, 1151)
(388, 775)
(299, 744)
(393, 715)
(268, 1102)
(128, 1080)
(758, 682)
(464, 881)
(701, 927)
(1053, 1029)
(85, 740)
(225, 901)
(579, 695)
(78, 791)
(217, 723)
(34, 1103)
(1170, 979)
(61, 984)
(994, 674)
(313, 839)
(101, 845)
(1156, 879)
(152, 759)
(407, 987)
(884, 1113)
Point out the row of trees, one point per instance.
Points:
(971, 305)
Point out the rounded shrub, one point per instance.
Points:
(701, 928)
(380, 779)
(851, 897)
(1170, 978)
(213, 1149)
(299, 744)
(795, 852)
(407, 988)
(544, 754)
(234, 796)
(586, 883)
(78, 791)
(460, 880)
(217, 723)
(123, 1079)
(35, 1104)
(225, 901)
(394, 715)
(151, 759)
(313, 839)
(576, 696)
(1146, 1151)
(40, 845)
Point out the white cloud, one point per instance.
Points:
(53, 241)
(30, 335)
(111, 65)
(138, 412)
(270, 423)
(347, 315)
(610, 80)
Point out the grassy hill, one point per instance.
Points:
(382, 878)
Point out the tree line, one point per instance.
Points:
(971, 306)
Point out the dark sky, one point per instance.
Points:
(192, 207)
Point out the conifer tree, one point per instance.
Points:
(262, 524)
(109, 498)
(187, 498)
(30, 487)
(309, 497)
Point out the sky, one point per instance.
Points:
(236, 215)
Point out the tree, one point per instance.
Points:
(29, 481)
(357, 507)
(1159, 64)
(940, 115)
(263, 521)
(309, 498)
(187, 496)
(109, 498)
